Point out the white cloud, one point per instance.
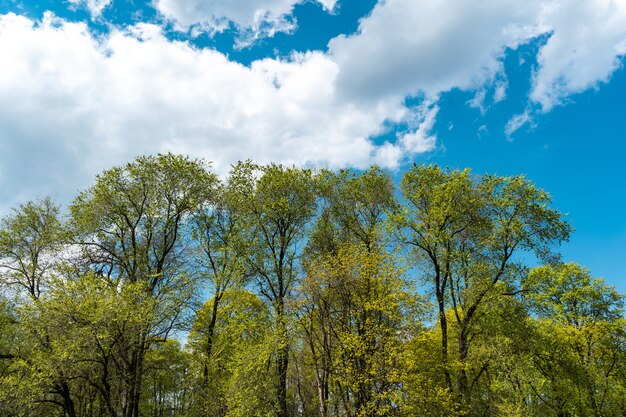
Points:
(517, 122)
(73, 106)
(478, 101)
(586, 46)
(95, 7)
(254, 19)
(499, 93)
(420, 139)
(388, 155)
(410, 48)
(417, 47)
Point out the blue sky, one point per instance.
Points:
(500, 86)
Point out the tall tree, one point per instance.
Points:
(351, 223)
(464, 233)
(31, 245)
(580, 341)
(355, 206)
(277, 204)
(309, 310)
(220, 253)
(241, 378)
(30, 241)
(132, 225)
(358, 312)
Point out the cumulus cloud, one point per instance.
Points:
(95, 7)
(417, 139)
(420, 139)
(408, 47)
(73, 105)
(254, 19)
(586, 45)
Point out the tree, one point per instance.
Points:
(85, 321)
(132, 225)
(358, 313)
(351, 224)
(167, 381)
(242, 382)
(310, 307)
(354, 209)
(217, 232)
(580, 338)
(464, 233)
(30, 241)
(277, 203)
(9, 348)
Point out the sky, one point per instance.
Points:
(500, 86)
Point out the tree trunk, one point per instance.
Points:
(210, 333)
(443, 323)
(282, 360)
(139, 376)
(68, 403)
(135, 376)
(464, 391)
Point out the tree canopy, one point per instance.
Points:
(164, 290)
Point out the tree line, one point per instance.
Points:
(283, 291)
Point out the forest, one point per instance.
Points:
(279, 291)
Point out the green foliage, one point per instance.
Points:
(290, 292)
(130, 222)
(581, 337)
(241, 379)
(465, 234)
(167, 387)
(276, 205)
(30, 241)
(370, 317)
(132, 226)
